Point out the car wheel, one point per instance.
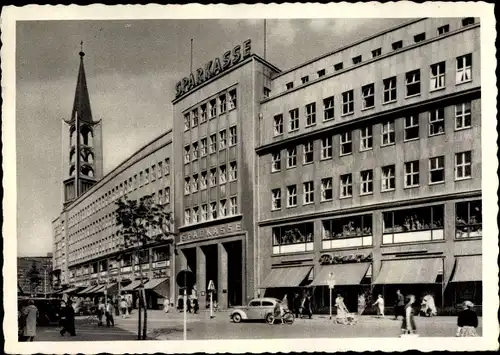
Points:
(236, 318)
(270, 318)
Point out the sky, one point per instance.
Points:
(131, 69)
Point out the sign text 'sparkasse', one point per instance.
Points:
(211, 232)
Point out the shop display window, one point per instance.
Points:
(468, 220)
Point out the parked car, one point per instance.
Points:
(257, 309)
(49, 309)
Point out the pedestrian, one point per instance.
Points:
(166, 305)
(123, 307)
(110, 321)
(129, 304)
(467, 321)
(101, 309)
(430, 305)
(296, 305)
(279, 311)
(361, 303)
(400, 305)
(307, 307)
(116, 304)
(30, 314)
(380, 306)
(69, 319)
(408, 326)
(284, 301)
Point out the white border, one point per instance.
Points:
(405, 9)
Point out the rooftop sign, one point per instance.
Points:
(214, 68)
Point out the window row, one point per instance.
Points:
(212, 177)
(377, 52)
(215, 142)
(221, 104)
(411, 178)
(211, 211)
(389, 94)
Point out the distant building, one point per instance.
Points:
(34, 275)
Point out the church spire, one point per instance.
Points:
(81, 104)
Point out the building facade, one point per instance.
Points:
(34, 275)
(361, 167)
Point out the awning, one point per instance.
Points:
(468, 268)
(153, 283)
(161, 286)
(410, 271)
(70, 290)
(286, 277)
(131, 286)
(343, 274)
(98, 289)
(86, 290)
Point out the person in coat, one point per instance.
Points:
(400, 305)
(307, 306)
(296, 305)
(380, 306)
(123, 307)
(467, 321)
(69, 319)
(110, 309)
(101, 310)
(30, 313)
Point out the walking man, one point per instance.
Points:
(69, 319)
(101, 309)
(400, 305)
(123, 307)
(296, 305)
(110, 321)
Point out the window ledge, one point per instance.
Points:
(277, 135)
(275, 171)
(466, 238)
(345, 155)
(366, 193)
(464, 82)
(412, 96)
(436, 183)
(463, 178)
(437, 89)
(436, 134)
(411, 139)
(294, 253)
(365, 150)
(326, 158)
(307, 163)
(412, 186)
(462, 128)
(327, 200)
(291, 167)
(388, 190)
(367, 108)
(347, 114)
(293, 130)
(310, 125)
(387, 144)
(413, 243)
(329, 120)
(344, 197)
(308, 203)
(293, 206)
(389, 102)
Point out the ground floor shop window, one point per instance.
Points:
(412, 225)
(293, 238)
(469, 219)
(161, 254)
(347, 232)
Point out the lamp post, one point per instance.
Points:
(331, 285)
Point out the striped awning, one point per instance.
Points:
(468, 269)
(343, 274)
(410, 271)
(286, 277)
(132, 286)
(86, 290)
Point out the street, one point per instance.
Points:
(169, 326)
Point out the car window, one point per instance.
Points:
(267, 303)
(254, 304)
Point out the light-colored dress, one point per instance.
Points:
(30, 312)
(166, 305)
(380, 304)
(341, 309)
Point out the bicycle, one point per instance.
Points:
(288, 318)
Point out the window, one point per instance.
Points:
(346, 143)
(167, 195)
(326, 148)
(196, 215)
(187, 216)
(203, 180)
(443, 29)
(366, 182)
(390, 89)
(203, 113)
(213, 143)
(436, 122)
(388, 133)
(187, 186)
(311, 114)
(463, 115)
(366, 141)
(289, 86)
(222, 139)
(326, 189)
(291, 195)
(301, 233)
(401, 224)
(276, 161)
(468, 21)
(464, 69)
(356, 60)
(388, 178)
(436, 170)
(347, 227)
(397, 45)
(267, 92)
(213, 176)
(413, 83)
(308, 156)
(437, 76)
(187, 154)
(203, 147)
(204, 213)
(276, 194)
(411, 127)
(347, 102)
(233, 137)
(321, 73)
(368, 93)
(233, 171)
(291, 157)
(232, 99)
(304, 79)
(346, 185)
(412, 174)
(329, 109)
(233, 206)
(222, 103)
(419, 38)
(294, 120)
(463, 165)
(213, 210)
(213, 108)
(223, 208)
(195, 151)
(308, 192)
(187, 121)
(194, 186)
(195, 117)
(469, 219)
(278, 125)
(338, 66)
(376, 52)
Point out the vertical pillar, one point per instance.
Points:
(223, 279)
(180, 264)
(201, 276)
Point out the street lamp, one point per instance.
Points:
(331, 285)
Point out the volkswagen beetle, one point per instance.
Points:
(257, 309)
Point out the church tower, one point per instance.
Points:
(82, 162)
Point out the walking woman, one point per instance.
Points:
(408, 325)
(467, 321)
(30, 312)
(361, 304)
(380, 306)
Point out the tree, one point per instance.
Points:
(34, 278)
(140, 224)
